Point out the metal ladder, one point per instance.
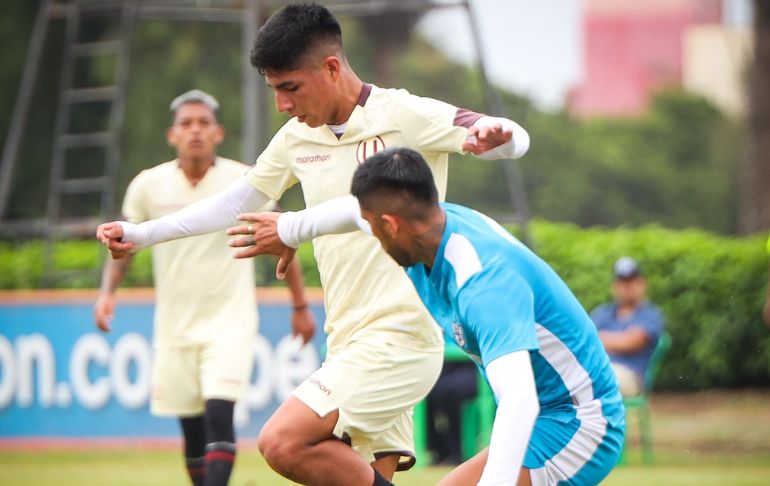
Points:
(106, 139)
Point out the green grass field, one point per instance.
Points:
(704, 439)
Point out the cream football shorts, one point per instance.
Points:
(184, 377)
(374, 386)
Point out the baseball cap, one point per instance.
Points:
(195, 96)
(626, 267)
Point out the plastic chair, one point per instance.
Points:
(476, 417)
(640, 403)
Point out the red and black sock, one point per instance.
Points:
(220, 447)
(196, 469)
(220, 457)
(194, 431)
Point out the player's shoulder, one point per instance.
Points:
(231, 165)
(402, 97)
(155, 173)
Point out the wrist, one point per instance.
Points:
(300, 307)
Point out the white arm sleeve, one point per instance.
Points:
(213, 213)
(338, 215)
(515, 148)
(513, 383)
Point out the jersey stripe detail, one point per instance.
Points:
(576, 379)
(459, 252)
(466, 118)
(593, 426)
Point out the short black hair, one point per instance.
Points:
(395, 180)
(291, 33)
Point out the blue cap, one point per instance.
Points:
(626, 267)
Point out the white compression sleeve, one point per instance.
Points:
(513, 383)
(515, 148)
(338, 215)
(213, 213)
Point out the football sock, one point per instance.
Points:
(379, 480)
(220, 457)
(194, 433)
(196, 469)
(220, 450)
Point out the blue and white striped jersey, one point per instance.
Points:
(492, 296)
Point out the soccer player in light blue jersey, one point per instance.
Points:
(560, 417)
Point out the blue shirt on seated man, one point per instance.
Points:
(629, 327)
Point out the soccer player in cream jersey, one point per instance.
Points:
(384, 351)
(205, 308)
(560, 417)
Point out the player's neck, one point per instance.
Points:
(349, 91)
(195, 168)
(429, 238)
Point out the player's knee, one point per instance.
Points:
(279, 451)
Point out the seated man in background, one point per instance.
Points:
(629, 327)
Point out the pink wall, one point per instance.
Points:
(631, 50)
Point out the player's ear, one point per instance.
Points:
(390, 224)
(333, 66)
(171, 136)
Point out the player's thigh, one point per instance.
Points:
(176, 388)
(373, 386)
(581, 450)
(225, 367)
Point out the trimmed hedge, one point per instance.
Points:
(711, 289)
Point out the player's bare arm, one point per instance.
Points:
(303, 322)
(112, 276)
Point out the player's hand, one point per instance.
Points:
(104, 311)
(261, 237)
(483, 139)
(303, 324)
(110, 235)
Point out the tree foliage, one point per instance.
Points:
(676, 165)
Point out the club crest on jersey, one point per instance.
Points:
(457, 333)
(367, 148)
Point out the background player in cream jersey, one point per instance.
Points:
(384, 349)
(205, 313)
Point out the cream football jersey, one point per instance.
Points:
(202, 292)
(367, 295)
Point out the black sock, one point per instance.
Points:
(379, 480)
(220, 457)
(196, 469)
(220, 447)
(194, 432)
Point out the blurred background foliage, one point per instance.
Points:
(657, 177)
(676, 165)
(710, 289)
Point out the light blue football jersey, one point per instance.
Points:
(492, 296)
